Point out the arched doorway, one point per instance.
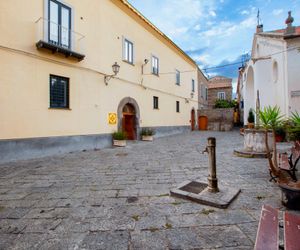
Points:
(193, 120)
(129, 118)
(128, 121)
(249, 94)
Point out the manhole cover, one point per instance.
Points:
(132, 199)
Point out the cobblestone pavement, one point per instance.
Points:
(118, 198)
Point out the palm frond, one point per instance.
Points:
(270, 117)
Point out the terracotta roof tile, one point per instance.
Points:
(281, 31)
(219, 85)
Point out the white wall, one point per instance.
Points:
(274, 89)
(293, 69)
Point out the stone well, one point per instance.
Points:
(254, 144)
(254, 140)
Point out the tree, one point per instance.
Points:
(271, 118)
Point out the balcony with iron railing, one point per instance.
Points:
(59, 39)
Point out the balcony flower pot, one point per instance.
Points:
(251, 119)
(119, 143)
(119, 139)
(147, 138)
(147, 134)
(250, 125)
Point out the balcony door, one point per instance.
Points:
(59, 24)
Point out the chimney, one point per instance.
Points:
(290, 29)
(259, 28)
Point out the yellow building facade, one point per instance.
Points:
(57, 92)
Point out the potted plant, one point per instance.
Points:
(280, 134)
(119, 139)
(251, 119)
(147, 134)
(294, 128)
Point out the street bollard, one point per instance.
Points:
(212, 178)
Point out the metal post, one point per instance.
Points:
(212, 178)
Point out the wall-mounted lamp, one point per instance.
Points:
(187, 100)
(192, 94)
(115, 69)
(145, 62)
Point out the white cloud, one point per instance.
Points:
(204, 59)
(197, 27)
(245, 12)
(277, 12)
(212, 13)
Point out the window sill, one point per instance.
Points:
(178, 84)
(67, 109)
(155, 74)
(125, 61)
(155, 108)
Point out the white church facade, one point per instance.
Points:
(272, 76)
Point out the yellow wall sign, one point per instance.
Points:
(112, 118)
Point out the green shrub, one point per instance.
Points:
(119, 135)
(147, 132)
(219, 104)
(294, 127)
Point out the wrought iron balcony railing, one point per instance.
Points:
(58, 39)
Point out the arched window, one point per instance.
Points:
(275, 72)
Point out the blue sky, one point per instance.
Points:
(216, 32)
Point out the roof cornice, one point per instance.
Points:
(155, 30)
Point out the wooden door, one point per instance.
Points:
(202, 122)
(193, 120)
(129, 126)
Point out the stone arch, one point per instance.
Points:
(249, 94)
(134, 104)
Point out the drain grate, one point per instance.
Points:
(194, 187)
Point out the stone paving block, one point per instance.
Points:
(151, 222)
(230, 217)
(12, 196)
(228, 236)
(40, 226)
(68, 241)
(93, 195)
(111, 224)
(7, 241)
(189, 220)
(13, 213)
(29, 241)
(249, 229)
(106, 241)
(73, 225)
(184, 238)
(11, 226)
(109, 202)
(3, 190)
(49, 213)
(148, 240)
